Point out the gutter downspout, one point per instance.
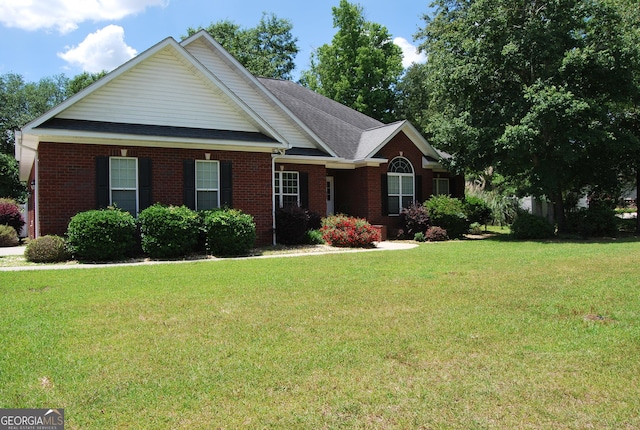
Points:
(36, 201)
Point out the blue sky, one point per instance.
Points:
(40, 38)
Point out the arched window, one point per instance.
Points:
(400, 185)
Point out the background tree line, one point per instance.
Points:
(544, 94)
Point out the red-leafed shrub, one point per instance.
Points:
(350, 232)
(10, 215)
(436, 234)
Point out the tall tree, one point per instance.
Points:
(536, 88)
(81, 81)
(21, 102)
(360, 68)
(267, 50)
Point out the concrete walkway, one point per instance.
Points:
(19, 250)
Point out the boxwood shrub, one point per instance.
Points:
(448, 213)
(168, 231)
(229, 232)
(47, 249)
(8, 236)
(529, 226)
(101, 235)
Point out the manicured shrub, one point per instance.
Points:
(345, 231)
(596, 221)
(10, 215)
(529, 226)
(168, 231)
(414, 219)
(436, 234)
(229, 232)
(313, 237)
(47, 249)
(100, 235)
(448, 213)
(476, 210)
(8, 236)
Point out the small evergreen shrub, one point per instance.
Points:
(477, 210)
(101, 235)
(529, 226)
(229, 232)
(47, 249)
(313, 237)
(448, 213)
(168, 231)
(345, 231)
(8, 236)
(597, 221)
(419, 237)
(10, 215)
(436, 234)
(414, 219)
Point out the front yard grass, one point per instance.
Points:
(466, 334)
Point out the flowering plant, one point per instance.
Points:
(346, 231)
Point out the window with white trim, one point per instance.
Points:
(440, 186)
(123, 184)
(287, 189)
(207, 185)
(400, 185)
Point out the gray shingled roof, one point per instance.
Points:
(346, 131)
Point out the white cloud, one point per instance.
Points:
(410, 52)
(65, 15)
(103, 50)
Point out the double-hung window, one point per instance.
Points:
(207, 185)
(287, 189)
(400, 185)
(124, 183)
(440, 186)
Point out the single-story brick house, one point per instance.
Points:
(185, 123)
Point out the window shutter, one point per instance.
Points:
(144, 183)
(452, 187)
(384, 198)
(189, 183)
(226, 184)
(419, 189)
(102, 182)
(303, 183)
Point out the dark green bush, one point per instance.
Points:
(10, 215)
(229, 232)
(596, 221)
(528, 226)
(436, 234)
(448, 213)
(477, 210)
(47, 249)
(100, 235)
(168, 231)
(414, 219)
(8, 236)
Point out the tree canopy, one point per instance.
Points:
(360, 68)
(267, 50)
(545, 91)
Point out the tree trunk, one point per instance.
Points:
(558, 211)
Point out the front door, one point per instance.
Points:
(331, 207)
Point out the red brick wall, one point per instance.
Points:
(67, 181)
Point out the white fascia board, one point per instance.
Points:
(302, 159)
(241, 69)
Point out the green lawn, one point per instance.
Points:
(466, 334)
